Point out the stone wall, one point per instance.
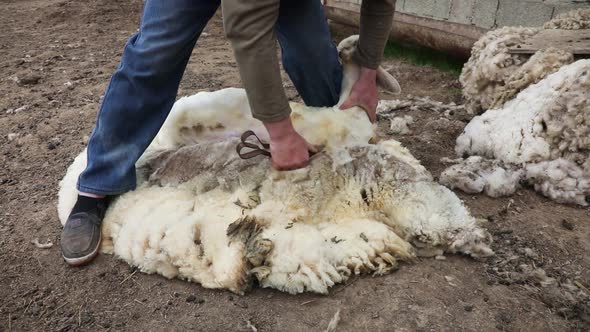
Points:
(453, 26)
(489, 14)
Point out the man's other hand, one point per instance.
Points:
(364, 94)
(289, 150)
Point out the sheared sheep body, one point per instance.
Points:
(203, 214)
(544, 132)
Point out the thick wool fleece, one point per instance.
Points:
(202, 214)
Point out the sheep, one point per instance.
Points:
(202, 214)
(542, 137)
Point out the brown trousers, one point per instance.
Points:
(249, 25)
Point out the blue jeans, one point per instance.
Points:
(144, 87)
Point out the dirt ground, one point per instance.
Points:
(56, 57)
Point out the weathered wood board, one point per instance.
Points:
(575, 41)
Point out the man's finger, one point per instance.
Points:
(370, 111)
(291, 167)
(371, 114)
(349, 103)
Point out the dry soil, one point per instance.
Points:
(56, 57)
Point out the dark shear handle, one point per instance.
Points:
(257, 150)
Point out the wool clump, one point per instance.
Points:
(542, 136)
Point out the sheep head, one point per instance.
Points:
(346, 49)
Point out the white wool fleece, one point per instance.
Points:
(202, 214)
(544, 132)
(493, 75)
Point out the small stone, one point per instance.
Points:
(176, 294)
(568, 225)
(529, 252)
(86, 317)
(242, 305)
(51, 146)
(375, 315)
(191, 298)
(29, 80)
(468, 307)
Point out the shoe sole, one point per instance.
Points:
(79, 261)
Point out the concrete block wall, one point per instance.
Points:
(490, 14)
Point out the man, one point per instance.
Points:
(143, 89)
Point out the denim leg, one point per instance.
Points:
(142, 91)
(309, 54)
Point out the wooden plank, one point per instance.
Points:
(574, 41)
(449, 37)
(351, 5)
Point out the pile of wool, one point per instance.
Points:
(493, 76)
(490, 67)
(202, 214)
(479, 175)
(574, 20)
(399, 124)
(412, 103)
(542, 137)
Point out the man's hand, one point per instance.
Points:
(364, 94)
(289, 150)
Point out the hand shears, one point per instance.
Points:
(262, 148)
